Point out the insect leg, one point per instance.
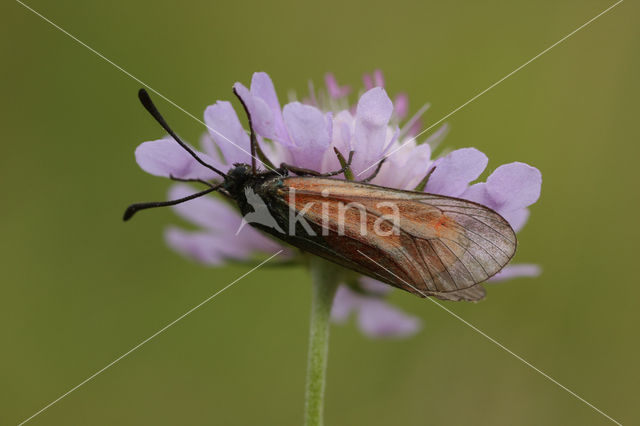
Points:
(202, 181)
(423, 183)
(302, 171)
(299, 170)
(375, 172)
(346, 165)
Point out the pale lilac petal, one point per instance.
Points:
(514, 186)
(209, 147)
(414, 161)
(374, 286)
(367, 80)
(203, 247)
(193, 245)
(438, 136)
(454, 172)
(256, 241)
(517, 218)
(341, 128)
(401, 106)
(415, 168)
(262, 116)
(164, 157)
(344, 302)
(378, 78)
(226, 130)
(393, 133)
(310, 130)
(372, 116)
(478, 193)
(221, 220)
(415, 128)
(515, 271)
(207, 212)
(335, 90)
(376, 318)
(275, 152)
(262, 90)
(262, 87)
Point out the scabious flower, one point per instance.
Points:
(305, 134)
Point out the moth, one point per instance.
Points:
(432, 245)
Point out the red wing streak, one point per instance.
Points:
(440, 245)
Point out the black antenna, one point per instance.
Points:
(134, 208)
(149, 106)
(254, 140)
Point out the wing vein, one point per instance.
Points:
(488, 226)
(424, 260)
(440, 259)
(461, 262)
(487, 240)
(472, 255)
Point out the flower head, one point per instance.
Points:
(305, 134)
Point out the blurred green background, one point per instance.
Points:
(79, 287)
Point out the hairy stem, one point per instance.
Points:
(324, 284)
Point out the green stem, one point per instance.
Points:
(324, 285)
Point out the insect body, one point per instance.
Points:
(426, 244)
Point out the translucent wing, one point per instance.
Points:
(427, 244)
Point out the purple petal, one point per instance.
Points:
(310, 131)
(367, 80)
(378, 78)
(223, 221)
(373, 80)
(335, 90)
(415, 128)
(372, 116)
(226, 130)
(378, 319)
(193, 245)
(210, 148)
(374, 286)
(478, 193)
(164, 157)
(207, 212)
(203, 247)
(515, 271)
(517, 218)
(255, 240)
(340, 138)
(414, 161)
(263, 91)
(262, 116)
(455, 171)
(514, 186)
(401, 106)
(436, 137)
(344, 302)
(262, 87)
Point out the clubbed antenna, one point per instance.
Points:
(254, 139)
(149, 106)
(134, 208)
